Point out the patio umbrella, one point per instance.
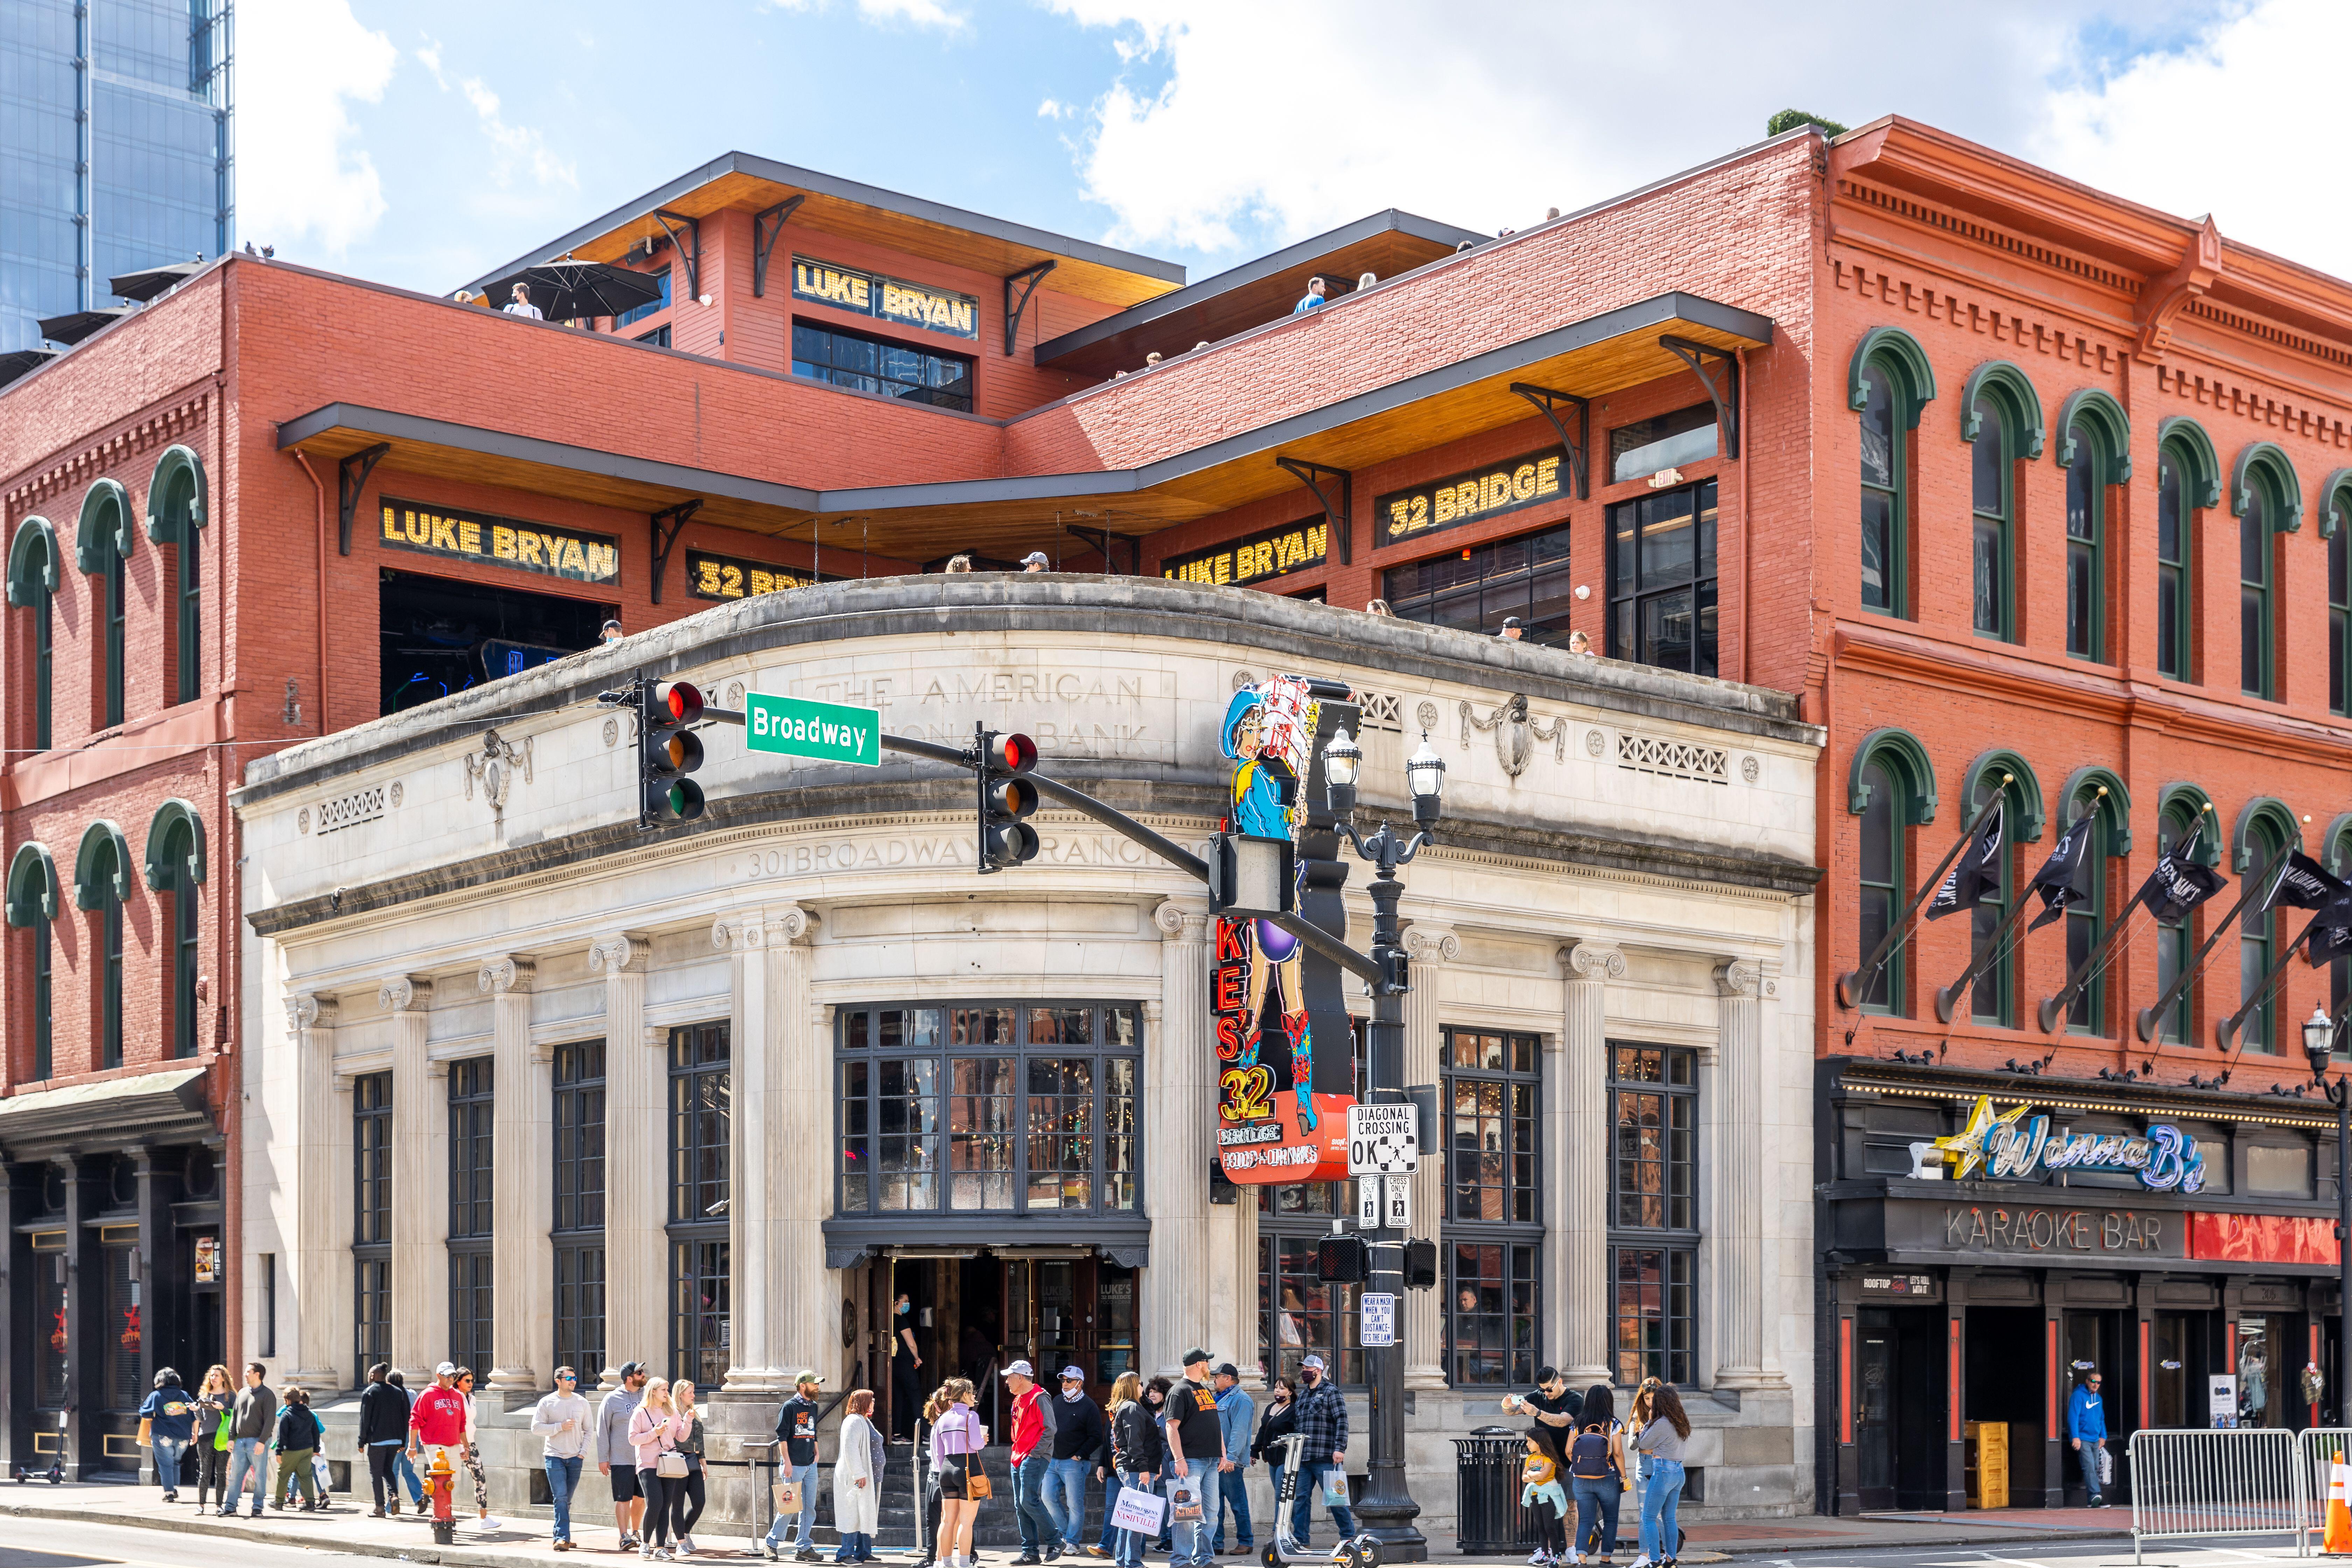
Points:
(149, 281)
(569, 291)
(71, 328)
(23, 363)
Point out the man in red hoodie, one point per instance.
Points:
(436, 1424)
(1033, 1455)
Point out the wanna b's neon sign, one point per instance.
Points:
(2013, 1147)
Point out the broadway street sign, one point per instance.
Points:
(795, 727)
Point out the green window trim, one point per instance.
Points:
(1906, 757)
(2181, 809)
(2099, 411)
(2114, 805)
(2262, 810)
(105, 528)
(1900, 354)
(2338, 839)
(2177, 574)
(33, 563)
(2259, 501)
(168, 867)
(2265, 457)
(101, 866)
(175, 496)
(2335, 501)
(1893, 357)
(2004, 385)
(1998, 390)
(2024, 787)
(2202, 459)
(2086, 923)
(2087, 456)
(34, 893)
(2194, 805)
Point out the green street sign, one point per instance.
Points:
(795, 727)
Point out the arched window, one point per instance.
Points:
(2188, 479)
(2000, 415)
(2267, 501)
(175, 864)
(1994, 999)
(2267, 831)
(2183, 809)
(101, 883)
(176, 511)
(34, 575)
(1893, 788)
(2336, 525)
(2099, 794)
(1887, 384)
(34, 902)
(2094, 449)
(103, 549)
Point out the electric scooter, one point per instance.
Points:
(1361, 1550)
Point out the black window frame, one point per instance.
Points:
(577, 1231)
(370, 1219)
(830, 371)
(701, 1066)
(1499, 579)
(1629, 595)
(1326, 1319)
(1497, 1258)
(1114, 1135)
(1674, 1356)
(2176, 574)
(473, 1209)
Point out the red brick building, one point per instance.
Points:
(2044, 487)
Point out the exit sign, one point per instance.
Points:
(795, 727)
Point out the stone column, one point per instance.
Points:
(1736, 1112)
(313, 1228)
(1429, 947)
(768, 1021)
(806, 1295)
(420, 1185)
(522, 1192)
(1180, 1067)
(637, 1115)
(1576, 1138)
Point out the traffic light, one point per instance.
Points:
(1420, 1265)
(1006, 798)
(1342, 1261)
(667, 750)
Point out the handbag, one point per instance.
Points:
(975, 1477)
(321, 1475)
(670, 1466)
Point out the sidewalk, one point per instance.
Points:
(523, 1543)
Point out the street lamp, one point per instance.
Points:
(1387, 1508)
(2318, 1036)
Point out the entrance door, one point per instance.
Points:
(2004, 1352)
(2096, 1338)
(2177, 1367)
(1899, 1412)
(2267, 1367)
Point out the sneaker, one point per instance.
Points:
(808, 1554)
(1099, 1552)
(685, 1545)
(630, 1538)
(1054, 1552)
(1538, 1558)
(1027, 1560)
(768, 1551)
(488, 1522)
(646, 1553)
(662, 1554)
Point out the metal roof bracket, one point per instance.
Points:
(1312, 475)
(764, 240)
(693, 259)
(1013, 312)
(1580, 461)
(351, 478)
(1727, 398)
(675, 517)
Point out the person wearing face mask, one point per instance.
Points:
(1322, 1420)
(906, 1361)
(1081, 1450)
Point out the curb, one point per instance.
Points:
(2018, 1538)
(421, 1550)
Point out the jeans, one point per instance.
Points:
(2087, 1458)
(1037, 1531)
(1066, 1498)
(246, 1454)
(1661, 1496)
(1192, 1536)
(1233, 1489)
(806, 1476)
(1111, 1483)
(1128, 1551)
(1596, 1503)
(406, 1469)
(168, 1454)
(563, 1480)
(1311, 1487)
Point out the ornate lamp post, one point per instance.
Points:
(2318, 1038)
(1387, 1508)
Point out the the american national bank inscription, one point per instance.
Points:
(1070, 706)
(818, 855)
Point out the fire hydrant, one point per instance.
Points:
(438, 1487)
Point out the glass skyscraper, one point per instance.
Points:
(115, 151)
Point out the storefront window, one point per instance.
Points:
(701, 1132)
(877, 364)
(472, 1160)
(1653, 1236)
(1023, 1109)
(125, 1328)
(52, 1326)
(1493, 1220)
(701, 1316)
(579, 1229)
(1478, 589)
(372, 1218)
(1662, 579)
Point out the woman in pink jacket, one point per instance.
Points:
(655, 1429)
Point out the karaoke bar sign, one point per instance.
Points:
(2013, 1147)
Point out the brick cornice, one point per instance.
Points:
(159, 424)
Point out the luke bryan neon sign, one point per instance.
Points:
(2010, 1147)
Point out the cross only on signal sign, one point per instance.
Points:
(1382, 1141)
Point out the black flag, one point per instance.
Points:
(2331, 933)
(2178, 884)
(2058, 881)
(2306, 885)
(1975, 873)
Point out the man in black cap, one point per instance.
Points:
(1237, 1414)
(1513, 630)
(1195, 1446)
(614, 1456)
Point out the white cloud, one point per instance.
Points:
(1053, 109)
(914, 13)
(1234, 124)
(302, 182)
(2228, 122)
(517, 144)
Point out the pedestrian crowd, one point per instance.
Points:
(1579, 1456)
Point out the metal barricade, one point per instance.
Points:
(2316, 1448)
(2193, 1482)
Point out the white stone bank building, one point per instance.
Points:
(527, 1086)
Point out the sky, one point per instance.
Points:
(422, 142)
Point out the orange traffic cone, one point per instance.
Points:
(2337, 1542)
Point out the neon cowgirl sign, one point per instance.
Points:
(2010, 1147)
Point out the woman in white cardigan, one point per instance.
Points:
(857, 1481)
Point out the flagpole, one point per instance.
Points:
(2229, 1025)
(1948, 998)
(2149, 1016)
(2052, 1006)
(1856, 984)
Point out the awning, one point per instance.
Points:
(153, 1108)
(1125, 1240)
(76, 325)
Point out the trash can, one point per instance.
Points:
(1486, 1493)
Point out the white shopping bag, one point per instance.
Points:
(321, 1474)
(1138, 1510)
(2106, 1467)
